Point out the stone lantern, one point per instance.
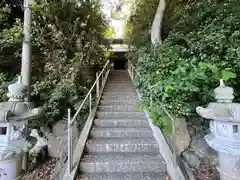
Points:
(14, 116)
(225, 131)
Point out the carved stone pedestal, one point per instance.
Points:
(230, 166)
(225, 131)
(14, 116)
(10, 169)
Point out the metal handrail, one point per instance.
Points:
(71, 120)
(89, 92)
(134, 70)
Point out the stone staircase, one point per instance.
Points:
(121, 145)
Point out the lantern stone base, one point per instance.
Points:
(14, 116)
(228, 166)
(11, 169)
(228, 158)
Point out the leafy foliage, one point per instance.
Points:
(3, 11)
(201, 47)
(67, 49)
(140, 21)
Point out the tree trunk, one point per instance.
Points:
(157, 23)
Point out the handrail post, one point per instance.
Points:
(102, 78)
(69, 142)
(132, 74)
(97, 85)
(131, 70)
(174, 146)
(90, 103)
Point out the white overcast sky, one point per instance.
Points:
(109, 5)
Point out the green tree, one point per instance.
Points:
(200, 45)
(68, 45)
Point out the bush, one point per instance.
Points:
(68, 45)
(202, 47)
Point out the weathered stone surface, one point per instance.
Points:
(120, 93)
(14, 117)
(43, 172)
(111, 97)
(125, 176)
(181, 135)
(57, 140)
(60, 129)
(133, 115)
(116, 89)
(119, 102)
(106, 145)
(191, 158)
(39, 151)
(202, 149)
(199, 146)
(122, 162)
(224, 135)
(121, 122)
(57, 145)
(121, 145)
(118, 108)
(118, 132)
(191, 128)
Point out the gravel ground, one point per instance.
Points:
(206, 171)
(43, 172)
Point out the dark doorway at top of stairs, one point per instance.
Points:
(119, 61)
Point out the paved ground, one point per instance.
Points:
(206, 171)
(43, 172)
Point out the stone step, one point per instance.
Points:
(125, 80)
(132, 115)
(119, 76)
(130, 132)
(119, 87)
(124, 176)
(130, 86)
(119, 102)
(119, 93)
(122, 162)
(118, 80)
(107, 108)
(120, 97)
(121, 72)
(127, 85)
(121, 122)
(119, 83)
(104, 145)
(117, 90)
